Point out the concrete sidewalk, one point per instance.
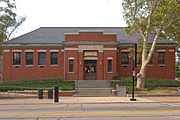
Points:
(89, 100)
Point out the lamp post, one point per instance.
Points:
(133, 69)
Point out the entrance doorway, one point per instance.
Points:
(90, 72)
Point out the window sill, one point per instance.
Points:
(54, 65)
(16, 66)
(161, 65)
(150, 65)
(110, 72)
(71, 72)
(29, 65)
(125, 65)
(41, 66)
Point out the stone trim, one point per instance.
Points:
(71, 58)
(109, 48)
(124, 50)
(54, 51)
(90, 47)
(100, 48)
(29, 50)
(171, 50)
(90, 53)
(110, 58)
(90, 58)
(161, 50)
(16, 50)
(6, 50)
(71, 48)
(41, 50)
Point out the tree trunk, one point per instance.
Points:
(141, 77)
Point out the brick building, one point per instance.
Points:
(81, 53)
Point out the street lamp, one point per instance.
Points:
(133, 69)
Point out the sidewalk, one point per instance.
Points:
(89, 100)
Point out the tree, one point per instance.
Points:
(9, 21)
(158, 17)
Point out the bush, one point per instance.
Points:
(177, 69)
(125, 81)
(150, 84)
(34, 84)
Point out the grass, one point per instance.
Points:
(150, 84)
(34, 84)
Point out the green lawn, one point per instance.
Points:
(34, 84)
(150, 84)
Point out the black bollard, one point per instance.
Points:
(50, 93)
(56, 94)
(40, 93)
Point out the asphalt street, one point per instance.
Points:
(116, 111)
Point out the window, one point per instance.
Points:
(161, 58)
(71, 65)
(16, 58)
(41, 58)
(125, 58)
(93, 69)
(151, 61)
(139, 61)
(29, 58)
(109, 65)
(54, 58)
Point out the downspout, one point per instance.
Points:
(64, 64)
(11, 65)
(1, 67)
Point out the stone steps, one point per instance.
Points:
(93, 88)
(94, 92)
(92, 84)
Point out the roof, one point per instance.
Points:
(55, 35)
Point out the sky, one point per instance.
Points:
(69, 13)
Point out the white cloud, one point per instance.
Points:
(69, 13)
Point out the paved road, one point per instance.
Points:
(117, 111)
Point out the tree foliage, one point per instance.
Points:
(147, 16)
(9, 21)
(158, 17)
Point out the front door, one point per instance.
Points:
(90, 70)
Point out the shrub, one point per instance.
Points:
(177, 69)
(34, 84)
(150, 84)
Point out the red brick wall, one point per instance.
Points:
(71, 54)
(90, 36)
(153, 71)
(113, 55)
(10, 72)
